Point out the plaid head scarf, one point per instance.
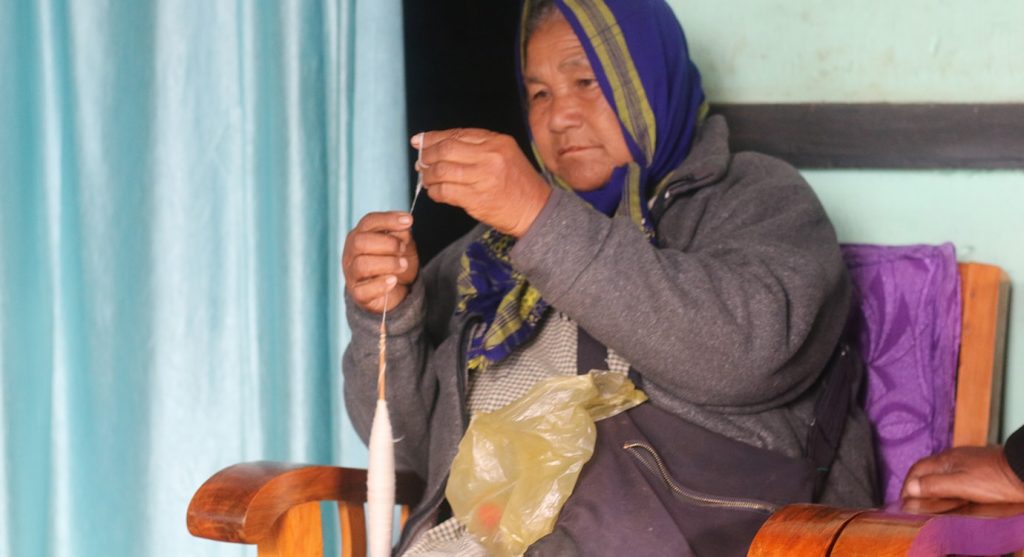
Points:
(639, 55)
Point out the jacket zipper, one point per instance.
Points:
(693, 496)
(438, 497)
(463, 368)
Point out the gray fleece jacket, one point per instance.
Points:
(730, 318)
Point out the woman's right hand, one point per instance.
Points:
(380, 258)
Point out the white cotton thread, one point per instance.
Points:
(382, 343)
(419, 172)
(382, 347)
(380, 476)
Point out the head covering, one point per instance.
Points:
(638, 52)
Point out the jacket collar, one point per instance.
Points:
(706, 164)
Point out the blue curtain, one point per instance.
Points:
(176, 180)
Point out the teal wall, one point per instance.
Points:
(793, 51)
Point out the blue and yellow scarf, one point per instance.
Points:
(639, 55)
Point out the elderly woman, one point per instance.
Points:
(715, 277)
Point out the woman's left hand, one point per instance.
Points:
(486, 174)
(979, 474)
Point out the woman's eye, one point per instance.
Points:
(586, 82)
(538, 95)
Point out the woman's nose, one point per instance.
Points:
(566, 112)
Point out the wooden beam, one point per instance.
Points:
(904, 136)
(353, 529)
(985, 290)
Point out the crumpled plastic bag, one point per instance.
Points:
(516, 466)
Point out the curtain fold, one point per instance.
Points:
(176, 181)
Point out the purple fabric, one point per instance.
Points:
(907, 321)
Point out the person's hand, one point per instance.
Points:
(979, 474)
(484, 173)
(380, 257)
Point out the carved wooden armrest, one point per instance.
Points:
(923, 528)
(263, 503)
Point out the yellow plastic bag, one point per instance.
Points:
(516, 466)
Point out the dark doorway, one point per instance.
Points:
(460, 72)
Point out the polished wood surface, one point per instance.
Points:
(970, 530)
(985, 292)
(243, 502)
(806, 530)
(296, 534)
(353, 529)
(878, 535)
(918, 528)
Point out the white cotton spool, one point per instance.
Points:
(380, 473)
(380, 484)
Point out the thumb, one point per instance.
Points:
(912, 488)
(938, 486)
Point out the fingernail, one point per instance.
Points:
(391, 280)
(403, 263)
(405, 219)
(914, 488)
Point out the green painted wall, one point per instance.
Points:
(869, 50)
(887, 51)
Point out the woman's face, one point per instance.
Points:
(574, 128)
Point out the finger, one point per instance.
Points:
(366, 267)
(368, 292)
(453, 150)
(911, 488)
(935, 464)
(448, 193)
(456, 173)
(388, 221)
(911, 484)
(941, 486)
(377, 243)
(465, 135)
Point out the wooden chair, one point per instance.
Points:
(926, 527)
(275, 506)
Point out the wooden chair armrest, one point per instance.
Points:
(926, 528)
(241, 503)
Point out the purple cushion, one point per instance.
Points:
(906, 316)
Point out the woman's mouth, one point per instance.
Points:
(573, 149)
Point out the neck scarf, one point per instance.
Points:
(639, 55)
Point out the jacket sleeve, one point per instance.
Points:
(415, 327)
(737, 308)
(408, 393)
